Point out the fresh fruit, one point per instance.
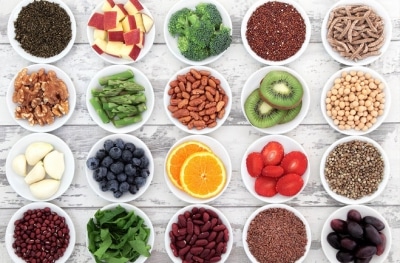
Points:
(265, 186)
(281, 90)
(203, 175)
(291, 114)
(97, 21)
(133, 6)
(259, 113)
(147, 22)
(178, 156)
(110, 20)
(272, 171)
(289, 184)
(272, 153)
(254, 164)
(295, 162)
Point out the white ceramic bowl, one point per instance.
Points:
(148, 43)
(378, 8)
(254, 55)
(289, 145)
(16, 45)
(58, 121)
(274, 206)
(171, 41)
(174, 219)
(17, 182)
(330, 83)
(365, 199)
(341, 213)
(108, 195)
(140, 78)
(253, 82)
(218, 149)
(138, 212)
(9, 239)
(224, 84)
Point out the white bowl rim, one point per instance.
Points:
(58, 121)
(38, 205)
(298, 54)
(252, 84)
(282, 206)
(171, 41)
(259, 144)
(224, 84)
(379, 9)
(218, 149)
(141, 79)
(365, 199)
(15, 44)
(329, 84)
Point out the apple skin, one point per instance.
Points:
(97, 21)
(129, 23)
(110, 20)
(99, 45)
(133, 7)
(108, 5)
(139, 21)
(121, 12)
(117, 35)
(130, 52)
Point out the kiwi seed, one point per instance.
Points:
(291, 114)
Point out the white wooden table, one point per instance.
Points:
(314, 134)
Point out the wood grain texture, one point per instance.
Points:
(314, 134)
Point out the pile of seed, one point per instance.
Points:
(277, 235)
(354, 169)
(43, 28)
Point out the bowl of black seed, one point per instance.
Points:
(41, 31)
(354, 170)
(119, 167)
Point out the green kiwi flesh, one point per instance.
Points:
(259, 113)
(281, 90)
(291, 114)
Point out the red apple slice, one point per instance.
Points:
(97, 21)
(133, 6)
(129, 23)
(99, 45)
(110, 20)
(108, 5)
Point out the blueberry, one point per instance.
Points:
(113, 185)
(103, 185)
(117, 194)
(144, 173)
(99, 174)
(136, 162)
(130, 147)
(107, 161)
(130, 179)
(111, 176)
(138, 152)
(100, 154)
(140, 181)
(144, 162)
(121, 177)
(124, 187)
(92, 163)
(130, 169)
(133, 189)
(115, 152)
(119, 143)
(117, 167)
(108, 144)
(126, 155)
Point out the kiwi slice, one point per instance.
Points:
(281, 90)
(291, 114)
(260, 113)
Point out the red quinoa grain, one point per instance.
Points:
(276, 31)
(277, 235)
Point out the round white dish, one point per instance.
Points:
(17, 182)
(140, 78)
(58, 121)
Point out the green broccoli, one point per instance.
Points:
(195, 52)
(208, 11)
(179, 23)
(220, 41)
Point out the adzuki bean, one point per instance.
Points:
(40, 236)
(199, 235)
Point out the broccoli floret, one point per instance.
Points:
(192, 50)
(220, 41)
(178, 23)
(209, 12)
(201, 32)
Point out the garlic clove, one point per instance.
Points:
(19, 165)
(36, 174)
(36, 151)
(54, 164)
(45, 188)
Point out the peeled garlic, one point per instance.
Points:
(36, 151)
(54, 164)
(19, 165)
(36, 174)
(45, 188)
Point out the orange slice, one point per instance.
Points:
(178, 156)
(203, 175)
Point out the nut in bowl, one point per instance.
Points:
(340, 238)
(197, 99)
(39, 213)
(126, 227)
(275, 99)
(31, 36)
(260, 27)
(356, 32)
(354, 170)
(119, 167)
(275, 169)
(121, 31)
(120, 98)
(41, 98)
(355, 100)
(198, 169)
(274, 228)
(206, 228)
(40, 167)
(204, 38)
